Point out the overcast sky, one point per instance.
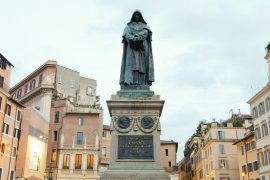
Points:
(208, 55)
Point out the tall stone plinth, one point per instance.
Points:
(135, 143)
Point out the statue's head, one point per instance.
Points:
(137, 17)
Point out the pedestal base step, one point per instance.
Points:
(135, 175)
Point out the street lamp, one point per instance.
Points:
(243, 175)
(207, 175)
(45, 174)
(84, 177)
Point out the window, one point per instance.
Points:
(55, 135)
(255, 165)
(32, 84)
(19, 115)
(53, 158)
(19, 93)
(261, 108)
(244, 169)
(59, 79)
(223, 163)
(78, 161)
(247, 147)
(243, 150)
(72, 83)
(8, 109)
(258, 133)
(265, 158)
(0, 102)
(80, 122)
(221, 149)
(253, 144)
(104, 133)
(14, 152)
(249, 167)
(40, 78)
(1, 81)
(261, 158)
(66, 161)
(16, 133)
(3, 147)
(3, 65)
(170, 164)
(89, 91)
(264, 130)
(90, 161)
(167, 152)
(25, 88)
(11, 177)
(5, 128)
(103, 151)
(201, 174)
(56, 117)
(255, 112)
(267, 104)
(221, 135)
(79, 138)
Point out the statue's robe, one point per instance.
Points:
(137, 62)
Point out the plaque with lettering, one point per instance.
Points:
(135, 147)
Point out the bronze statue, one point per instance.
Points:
(137, 62)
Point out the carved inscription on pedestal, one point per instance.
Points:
(135, 147)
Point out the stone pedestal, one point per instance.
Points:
(135, 143)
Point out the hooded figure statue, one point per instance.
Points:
(137, 62)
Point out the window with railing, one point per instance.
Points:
(78, 161)
(220, 134)
(223, 164)
(79, 137)
(90, 161)
(66, 161)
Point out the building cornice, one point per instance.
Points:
(259, 94)
(49, 63)
(35, 92)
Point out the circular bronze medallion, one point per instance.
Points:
(123, 122)
(147, 122)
